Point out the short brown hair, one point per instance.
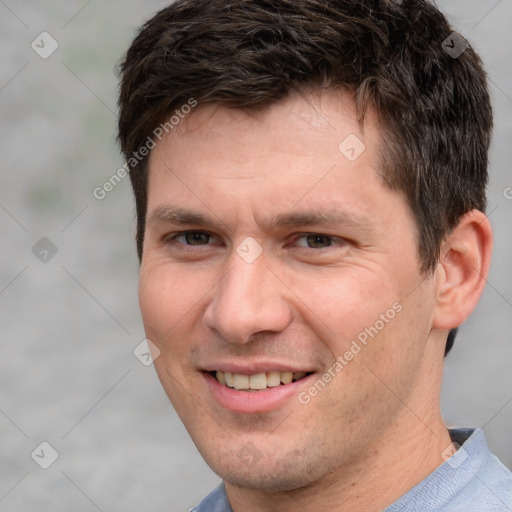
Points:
(394, 56)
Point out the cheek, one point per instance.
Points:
(169, 304)
(347, 303)
(390, 348)
(366, 319)
(169, 299)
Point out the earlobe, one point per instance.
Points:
(462, 270)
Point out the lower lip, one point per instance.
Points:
(253, 401)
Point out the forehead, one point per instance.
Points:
(300, 124)
(300, 154)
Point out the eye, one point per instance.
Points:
(192, 238)
(316, 241)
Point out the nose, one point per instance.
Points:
(250, 300)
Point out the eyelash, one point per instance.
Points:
(332, 239)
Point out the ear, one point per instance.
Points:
(462, 270)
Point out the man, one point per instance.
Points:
(310, 184)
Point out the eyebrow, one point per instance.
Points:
(178, 216)
(336, 217)
(319, 218)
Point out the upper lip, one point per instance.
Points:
(253, 368)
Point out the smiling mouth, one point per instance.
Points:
(259, 381)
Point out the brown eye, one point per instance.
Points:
(193, 238)
(319, 241)
(314, 241)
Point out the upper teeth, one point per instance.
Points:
(257, 381)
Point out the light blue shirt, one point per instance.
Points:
(472, 480)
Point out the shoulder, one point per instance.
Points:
(490, 488)
(490, 485)
(216, 501)
(472, 479)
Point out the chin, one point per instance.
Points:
(266, 480)
(282, 473)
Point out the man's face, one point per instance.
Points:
(272, 249)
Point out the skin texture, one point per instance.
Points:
(376, 429)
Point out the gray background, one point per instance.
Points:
(69, 326)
